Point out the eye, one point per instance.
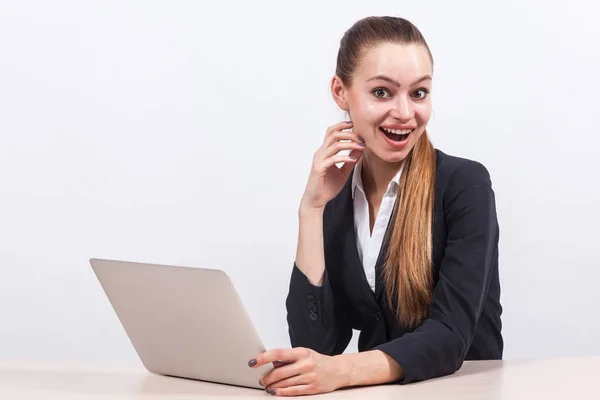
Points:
(379, 92)
(420, 93)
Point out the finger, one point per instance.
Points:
(337, 136)
(288, 371)
(340, 146)
(328, 162)
(274, 355)
(347, 167)
(302, 379)
(338, 127)
(276, 364)
(299, 390)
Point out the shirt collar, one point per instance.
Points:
(357, 179)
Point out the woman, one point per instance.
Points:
(400, 243)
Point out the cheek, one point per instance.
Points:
(369, 111)
(423, 112)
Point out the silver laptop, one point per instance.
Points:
(183, 322)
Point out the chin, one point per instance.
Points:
(393, 156)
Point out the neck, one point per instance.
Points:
(377, 174)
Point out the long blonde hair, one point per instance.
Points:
(408, 267)
(407, 272)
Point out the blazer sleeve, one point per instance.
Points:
(315, 318)
(439, 345)
(315, 315)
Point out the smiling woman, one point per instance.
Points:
(401, 242)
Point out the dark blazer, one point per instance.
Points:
(464, 317)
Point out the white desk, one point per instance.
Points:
(568, 378)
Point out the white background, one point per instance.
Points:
(182, 133)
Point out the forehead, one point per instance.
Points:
(403, 63)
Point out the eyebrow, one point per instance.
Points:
(393, 82)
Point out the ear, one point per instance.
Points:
(340, 93)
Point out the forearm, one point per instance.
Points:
(310, 257)
(316, 318)
(368, 368)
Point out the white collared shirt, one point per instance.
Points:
(369, 245)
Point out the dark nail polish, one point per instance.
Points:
(352, 158)
(271, 392)
(252, 362)
(362, 144)
(361, 139)
(260, 382)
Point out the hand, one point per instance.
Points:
(301, 371)
(326, 179)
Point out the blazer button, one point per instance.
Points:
(378, 316)
(311, 299)
(312, 308)
(313, 316)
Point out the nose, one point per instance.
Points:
(402, 109)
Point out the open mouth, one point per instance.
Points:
(397, 135)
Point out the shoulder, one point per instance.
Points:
(454, 172)
(464, 197)
(462, 184)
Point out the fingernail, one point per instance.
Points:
(362, 144)
(353, 158)
(252, 362)
(348, 122)
(260, 382)
(361, 139)
(271, 392)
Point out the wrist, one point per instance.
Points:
(367, 368)
(343, 368)
(308, 210)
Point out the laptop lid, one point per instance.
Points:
(182, 321)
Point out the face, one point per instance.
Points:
(388, 100)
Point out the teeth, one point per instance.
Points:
(398, 131)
